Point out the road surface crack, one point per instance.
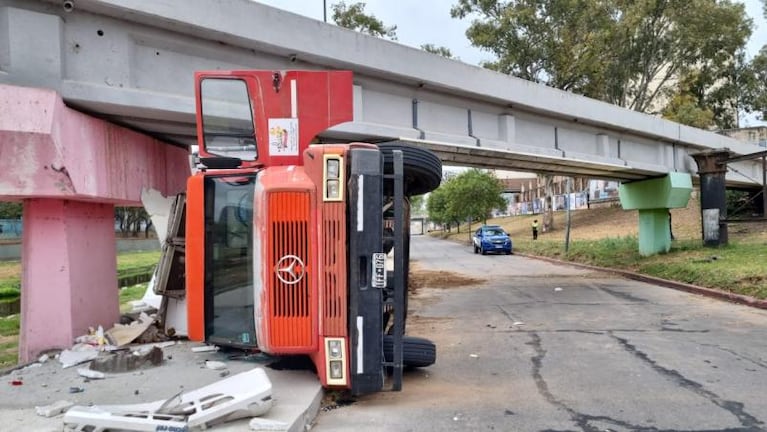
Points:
(735, 408)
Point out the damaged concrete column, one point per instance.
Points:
(70, 170)
(712, 168)
(69, 279)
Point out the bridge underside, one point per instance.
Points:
(133, 63)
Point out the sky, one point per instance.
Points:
(429, 21)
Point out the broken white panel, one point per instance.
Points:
(247, 394)
(159, 208)
(175, 316)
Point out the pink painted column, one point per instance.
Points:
(70, 170)
(69, 280)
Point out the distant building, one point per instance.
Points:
(756, 135)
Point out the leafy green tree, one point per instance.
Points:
(474, 194)
(10, 210)
(439, 50)
(469, 196)
(626, 52)
(758, 98)
(685, 106)
(353, 16)
(436, 205)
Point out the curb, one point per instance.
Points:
(681, 286)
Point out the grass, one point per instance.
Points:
(607, 237)
(128, 264)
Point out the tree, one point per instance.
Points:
(353, 17)
(628, 53)
(469, 196)
(758, 101)
(439, 50)
(10, 210)
(685, 107)
(131, 219)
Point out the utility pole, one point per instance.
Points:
(568, 204)
(325, 10)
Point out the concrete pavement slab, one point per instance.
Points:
(297, 393)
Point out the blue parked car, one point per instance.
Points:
(491, 238)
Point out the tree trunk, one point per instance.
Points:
(548, 208)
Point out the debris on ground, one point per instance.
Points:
(205, 348)
(127, 360)
(79, 353)
(518, 323)
(247, 394)
(123, 334)
(53, 409)
(474, 355)
(90, 374)
(557, 289)
(215, 365)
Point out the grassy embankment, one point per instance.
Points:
(607, 237)
(130, 266)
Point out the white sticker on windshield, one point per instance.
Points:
(283, 137)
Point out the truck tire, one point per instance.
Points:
(416, 351)
(422, 168)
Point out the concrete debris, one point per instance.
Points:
(79, 353)
(125, 361)
(121, 334)
(215, 365)
(53, 409)
(92, 374)
(76, 389)
(95, 337)
(43, 358)
(261, 424)
(205, 348)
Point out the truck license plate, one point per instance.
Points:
(379, 270)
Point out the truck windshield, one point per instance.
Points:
(227, 118)
(229, 260)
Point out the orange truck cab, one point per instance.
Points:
(287, 241)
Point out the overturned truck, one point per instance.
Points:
(296, 247)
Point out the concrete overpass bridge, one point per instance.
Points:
(96, 103)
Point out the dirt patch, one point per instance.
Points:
(420, 278)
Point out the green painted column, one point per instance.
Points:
(653, 198)
(654, 233)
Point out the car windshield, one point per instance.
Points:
(494, 231)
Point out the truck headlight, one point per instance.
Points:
(334, 348)
(336, 369)
(335, 361)
(333, 177)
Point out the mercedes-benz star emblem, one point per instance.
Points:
(290, 269)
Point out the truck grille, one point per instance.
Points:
(290, 296)
(334, 273)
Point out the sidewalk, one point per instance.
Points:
(297, 393)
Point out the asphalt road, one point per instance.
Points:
(544, 347)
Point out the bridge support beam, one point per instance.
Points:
(653, 198)
(70, 170)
